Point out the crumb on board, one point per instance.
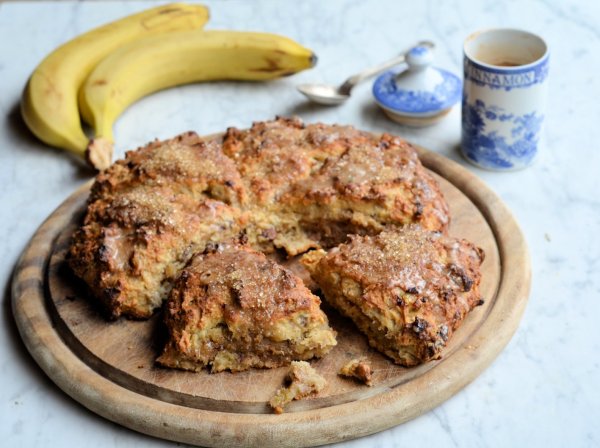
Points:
(359, 369)
(303, 381)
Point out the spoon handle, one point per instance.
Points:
(349, 84)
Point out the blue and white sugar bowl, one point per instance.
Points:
(420, 95)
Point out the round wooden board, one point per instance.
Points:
(109, 366)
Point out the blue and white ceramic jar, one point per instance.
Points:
(419, 95)
(504, 98)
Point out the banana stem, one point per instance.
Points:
(99, 153)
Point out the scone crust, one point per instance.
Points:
(407, 289)
(147, 215)
(232, 309)
(322, 182)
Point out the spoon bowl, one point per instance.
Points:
(323, 94)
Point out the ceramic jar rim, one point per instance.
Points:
(529, 34)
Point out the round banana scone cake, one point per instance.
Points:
(153, 221)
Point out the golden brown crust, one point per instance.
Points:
(319, 182)
(185, 163)
(272, 156)
(407, 289)
(374, 183)
(147, 215)
(233, 309)
(280, 185)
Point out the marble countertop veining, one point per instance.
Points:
(543, 390)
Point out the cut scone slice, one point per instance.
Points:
(406, 289)
(147, 215)
(234, 309)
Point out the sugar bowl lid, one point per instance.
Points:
(419, 95)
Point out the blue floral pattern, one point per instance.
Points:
(445, 94)
(491, 150)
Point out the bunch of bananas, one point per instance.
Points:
(100, 73)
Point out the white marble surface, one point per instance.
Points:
(543, 390)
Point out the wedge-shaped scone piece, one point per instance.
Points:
(378, 181)
(147, 215)
(406, 289)
(147, 236)
(310, 185)
(234, 309)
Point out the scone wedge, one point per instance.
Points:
(233, 309)
(406, 289)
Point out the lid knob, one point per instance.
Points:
(419, 57)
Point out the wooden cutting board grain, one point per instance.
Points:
(109, 366)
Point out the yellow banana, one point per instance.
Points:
(158, 62)
(49, 102)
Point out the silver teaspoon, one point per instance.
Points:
(332, 96)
